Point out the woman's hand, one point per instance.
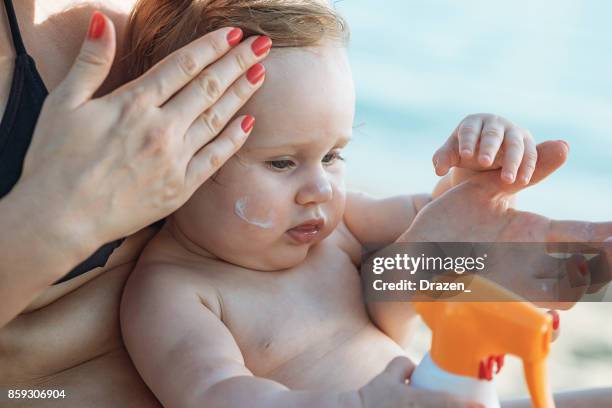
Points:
(478, 210)
(107, 167)
(489, 142)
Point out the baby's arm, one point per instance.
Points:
(188, 357)
(380, 222)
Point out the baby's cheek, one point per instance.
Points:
(338, 199)
(251, 210)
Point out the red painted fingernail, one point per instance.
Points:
(500, 363)
(247, 123)
(583, 268)
(255, 73)
(234, 36)
(556, 319)
(482, 375)
(490, 368)
(97, 25)
(261, 45)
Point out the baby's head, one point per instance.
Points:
(284, 190)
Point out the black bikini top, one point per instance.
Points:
(25, 101)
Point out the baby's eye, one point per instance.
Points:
(331, 157)
(280, 164)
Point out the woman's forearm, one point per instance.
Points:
(38, 245)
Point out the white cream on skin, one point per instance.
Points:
(323, 187)
(241, 210)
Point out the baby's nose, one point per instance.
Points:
(316, 191)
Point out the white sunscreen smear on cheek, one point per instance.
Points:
(323, 187)
(241, 210)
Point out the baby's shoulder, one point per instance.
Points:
(160, 272)
(163, 282)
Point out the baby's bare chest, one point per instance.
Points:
(302, 325)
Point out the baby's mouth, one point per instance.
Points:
(306, 232)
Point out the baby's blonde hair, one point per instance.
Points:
(159, 27)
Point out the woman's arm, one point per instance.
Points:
(37, 246)
(101, 169)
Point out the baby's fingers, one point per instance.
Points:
(491, 140)
(468, 133)
(446, 156)
(514, 149)
(530, 158)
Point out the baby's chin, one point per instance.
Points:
(285, 253)
(268, 260)
(272, 261)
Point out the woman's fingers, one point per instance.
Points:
(579, 231)
(576, 281)
(212, 156)
(213, 120)
(212, 83)
(91, 66)
(600, 268)
(176, 70)
(551, 156)
(556, 324)
(530, 159)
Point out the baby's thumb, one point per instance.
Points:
(400, 369)
(93, 63)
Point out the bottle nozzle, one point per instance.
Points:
(465, 333)
(537, 382)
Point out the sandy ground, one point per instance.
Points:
(580, 358)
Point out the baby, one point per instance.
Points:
(250, 294)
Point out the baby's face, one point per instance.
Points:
(284, 190)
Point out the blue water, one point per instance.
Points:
(421, 66)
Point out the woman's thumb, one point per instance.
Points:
(93, 63)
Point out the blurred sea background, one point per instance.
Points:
(422, 66)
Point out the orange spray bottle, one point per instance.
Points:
(471, 338)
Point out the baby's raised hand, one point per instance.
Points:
(488, 142)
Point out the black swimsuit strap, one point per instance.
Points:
(17, 41)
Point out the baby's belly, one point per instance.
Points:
(354, 361)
